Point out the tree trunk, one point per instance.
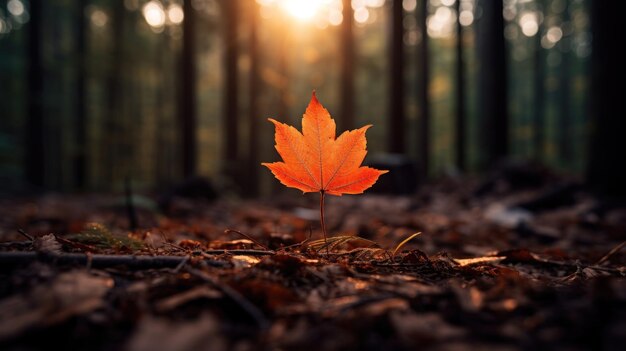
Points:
(163, 139)
(460, 96)
(230, 117)
(80, 121)
(284, 41)
(422, 91)
(539, 92)
(34, 155)
(187, 93)
(396, 128)
(253, 110)
(492, 84)
(606, 172)
(113, 138)
(565, 118)
(346, 120)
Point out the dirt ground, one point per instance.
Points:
(497, 266)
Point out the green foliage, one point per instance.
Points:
(99, 236)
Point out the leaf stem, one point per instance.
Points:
(322, 195)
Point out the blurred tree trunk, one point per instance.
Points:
(252, 178)
(606, 172)
(34, 155)
(230, 117)
(113, 139)
(539, 90)
(460, 95)
(346, 120)
(80, 122)
(396, 128)
(565, 120)
(492, 84)
(187, 92)
(283, 72)
(422, 90)
(282, 84)
(163, 137)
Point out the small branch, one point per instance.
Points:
(80, 246)
(17, 244)
(96, 261)
(247, 237)
(239, 252)
(611, 253)
(28, 236)
(234, 295)
(379, 264)
(303, 242)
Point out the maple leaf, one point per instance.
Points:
(316, 161)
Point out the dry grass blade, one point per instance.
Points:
(26, 235)
(334, 242)
(611, 253)
(393, 254)
(367, 253)
(247, 237)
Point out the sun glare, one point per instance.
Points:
(321, 12)
(303, 10)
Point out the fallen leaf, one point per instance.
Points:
(419, 329)
(70, 294)
(244, 261)
(48, 244)
(155, 333)
(200, 292)
(478, 260)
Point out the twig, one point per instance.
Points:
(300, 243)
(234, 295)
(104, 261)
(81, 246)
(181, 265)
(239, 252)
(248, 237)
(163, 236)
(28, 236)
(296, 244)
(611, 253)
(398, 264)
(175, 247)
(20, 244)
(96, 261)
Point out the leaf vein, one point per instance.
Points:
(348, 184)
(354, 142)
(300, 160)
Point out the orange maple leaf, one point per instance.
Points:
(316, 161)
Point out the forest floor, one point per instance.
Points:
(498, 265)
